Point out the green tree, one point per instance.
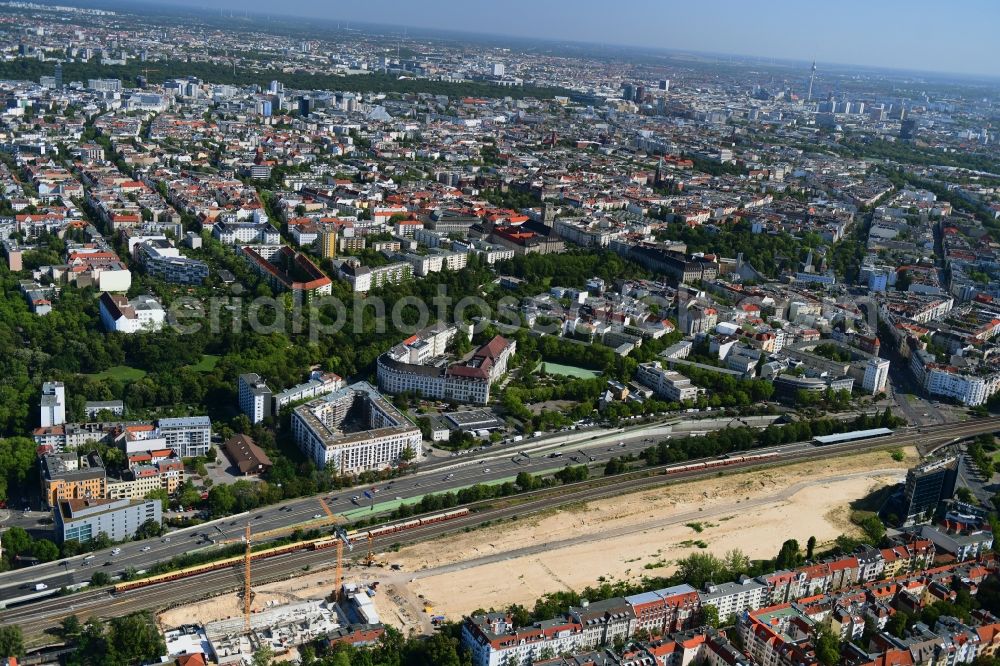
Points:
(810, 547)
(710, 616)
(134, 639)
(221, 500)
(11, 641)
(70, 627)
(263, 656)
(99, 578)
(45, 550)
(827, 646)
(16, 541)
(149, 530)
(788, 556)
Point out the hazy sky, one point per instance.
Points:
(932, 35)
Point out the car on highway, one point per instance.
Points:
(317, 516)
(115, 551)
(165, 540)
(145, 548)
(486, 471)
(356, 499)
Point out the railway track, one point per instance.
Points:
(35, 618)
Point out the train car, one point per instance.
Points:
(354, 536)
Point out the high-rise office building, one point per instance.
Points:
(58, 76)
(876, 374)
(665, 85)
(908, 129)
(499, 69)
(926, 486)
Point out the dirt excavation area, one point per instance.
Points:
(614, 539)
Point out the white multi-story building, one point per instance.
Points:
(320, 383)
(187, 436)
(734, 598)
(876, 375)
(255, 397)
(410, 366)
(121, 315)
(669, 384)
(246, 233)
(53, 404)
(364, 278)
(317, 428)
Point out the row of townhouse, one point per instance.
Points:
(784, 634)
(493, 640)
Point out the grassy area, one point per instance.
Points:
(206, 364)
(568, 371)
(123, 373)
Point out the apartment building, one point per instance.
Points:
(732, 598)
(162, 260)
(417, 365)
(493, 640)
(68, 476)
(288, 270)
(245, 232)
(666, 610)
(255, 397)
(876, 375)
(319, 383)
(365, 278)
(83, 519)
(668, 384)
(120, 314)
(52, 408)
(141, 479)
(188, 436)
(319, 428)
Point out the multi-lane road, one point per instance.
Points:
(489, 465)
(45, 613)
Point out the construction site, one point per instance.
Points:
(623, 538)
(345, 613)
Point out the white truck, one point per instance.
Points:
(40, 586)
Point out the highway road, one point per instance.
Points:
(37, 616)
(490, 465)
(594, 447)
(45, 613)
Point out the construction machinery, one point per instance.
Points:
(342, 539)
(247, 591)
(370, 556)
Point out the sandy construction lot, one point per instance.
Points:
(519, 561)
(615, 539)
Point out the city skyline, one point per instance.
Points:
(778, 30)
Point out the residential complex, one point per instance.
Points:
(354, 430)
(418, 364)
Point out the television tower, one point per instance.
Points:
(812, 79)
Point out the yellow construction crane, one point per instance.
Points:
(370, 556)
(339, 578)
(246, 582)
